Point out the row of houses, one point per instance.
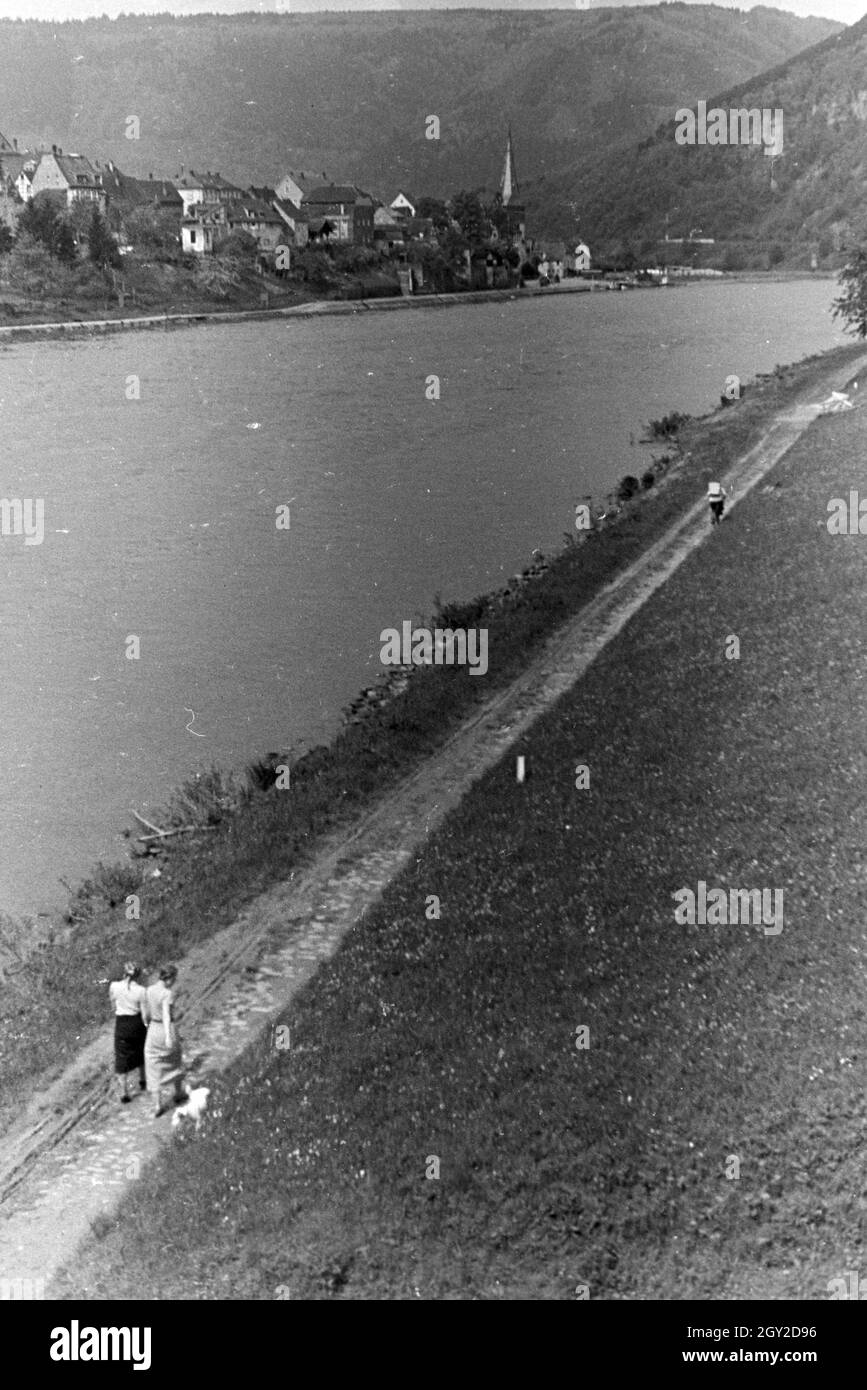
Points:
(301, 208)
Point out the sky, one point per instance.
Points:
(846, 11)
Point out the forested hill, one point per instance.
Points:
(812, 199)
(252, 95)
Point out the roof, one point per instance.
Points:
(78, 171)
(205, 181)
(304, 180)
(318, 224)
(253, 210)
(203, 215)
(118, 185)
(12, 162)
(159, 191)
(334, 193)
(123, 188)
(288, 209)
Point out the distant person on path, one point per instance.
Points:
(716, 499)
(128, 997)
(162, 1053)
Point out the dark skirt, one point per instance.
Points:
(129, 1041)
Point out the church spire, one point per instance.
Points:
(509, 181)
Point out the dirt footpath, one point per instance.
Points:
(77, 1150)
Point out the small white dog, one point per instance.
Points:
(193, 1108)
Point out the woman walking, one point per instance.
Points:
(716, 497)
(128, 996)
(162, 1052)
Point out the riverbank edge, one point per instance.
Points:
(204, 882)
(314, 308)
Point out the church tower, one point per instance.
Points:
(509, 181)
(510, 194)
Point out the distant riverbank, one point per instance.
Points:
(314, 308)
(310, 309)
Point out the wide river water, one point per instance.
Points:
(160, 518)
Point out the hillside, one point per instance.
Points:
(251, 95)
(812, 199)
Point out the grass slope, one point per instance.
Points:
(456, 1038)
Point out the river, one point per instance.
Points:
(161, 458)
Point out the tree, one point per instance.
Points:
(467, 210)
(32, 269)
(497, 215)
(851, 304)
(436, 210)
(734, 259)
(239, 247)
(315, 266)
(153, 232)
(437, 268)
(101, 245)
(41, 221)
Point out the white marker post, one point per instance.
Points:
(521, 768)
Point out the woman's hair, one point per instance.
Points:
(168, 973)
(131, 970)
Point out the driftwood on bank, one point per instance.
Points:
(165, 834)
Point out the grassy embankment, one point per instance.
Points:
(54, 1005)
(456, 1038)
(179, 289)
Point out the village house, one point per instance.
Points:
(124, 192)
(292, 186)
(293, 219)
(70, 174)
(259, 220)
(12, 160)
(160, 193)
(208, 223)
(387, 230)
(347, 207)
(210, 189)
(126, 195)
(203, 229)
(402, 207)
